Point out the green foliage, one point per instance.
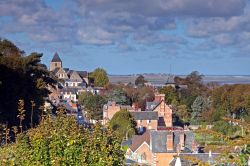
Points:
(60, 141)
(22, 77)
(138, 95)
(100, 77)
(123, 123)
(93, 104)
(7, 48)
(182, 112)
(119, 96)
(200, 104)
(171, 96)
(225, 128)
(195, 87)
(140, 81)
(233, 99)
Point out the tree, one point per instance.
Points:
(60, 141)
(195, 87)
(182, 112)
(22, 77)
(234, 99)
(123, 123)
(7, 48)
(119, 96)
(200, 104)
(140, 81)
(100, 77)
(93, 105)
(170, 94)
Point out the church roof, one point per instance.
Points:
(56, 58)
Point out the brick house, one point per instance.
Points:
(160, 147)
(164, 111)
(111, 108)
(146, 120)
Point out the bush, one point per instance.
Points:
(60, 141)
(225, 128)
(123, 123)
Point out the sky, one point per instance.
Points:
(134, 36)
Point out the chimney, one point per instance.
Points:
(194, 147)
(186, 127)
(178, 148)
(135, 106)
(170, 141)
(182, 141)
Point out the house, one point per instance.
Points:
(68, 78)
(146, 120)
(71, 93)
(111, 108)
(61, 73)
(160, 147)
(164, 111)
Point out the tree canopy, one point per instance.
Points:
(22, 77)
(140, 81)
(99, 77)
(7, 48)
(123, 123)
(93, 105)
(171, 95)
(119, 96)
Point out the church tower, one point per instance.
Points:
(56, 62)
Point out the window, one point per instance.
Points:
(55, 64)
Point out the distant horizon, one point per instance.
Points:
(176, 74)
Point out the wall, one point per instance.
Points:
(109, 112)
(152, 124)
(144, 151)
(165, 111)
(163, 159)
(54, 65)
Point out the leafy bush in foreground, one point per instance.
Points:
(60, 141)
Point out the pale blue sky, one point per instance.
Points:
(134, 36)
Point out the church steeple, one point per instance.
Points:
(56, 62)
(56, 58)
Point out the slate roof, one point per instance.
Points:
(72, 90)
(128, 107)
(144, 115)
(151, 105)
(56, 70)
(66, 69)
(159, 140)
(83, 74)
(56, 58)
(74, 76)
(137, 140)
(200, 156)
